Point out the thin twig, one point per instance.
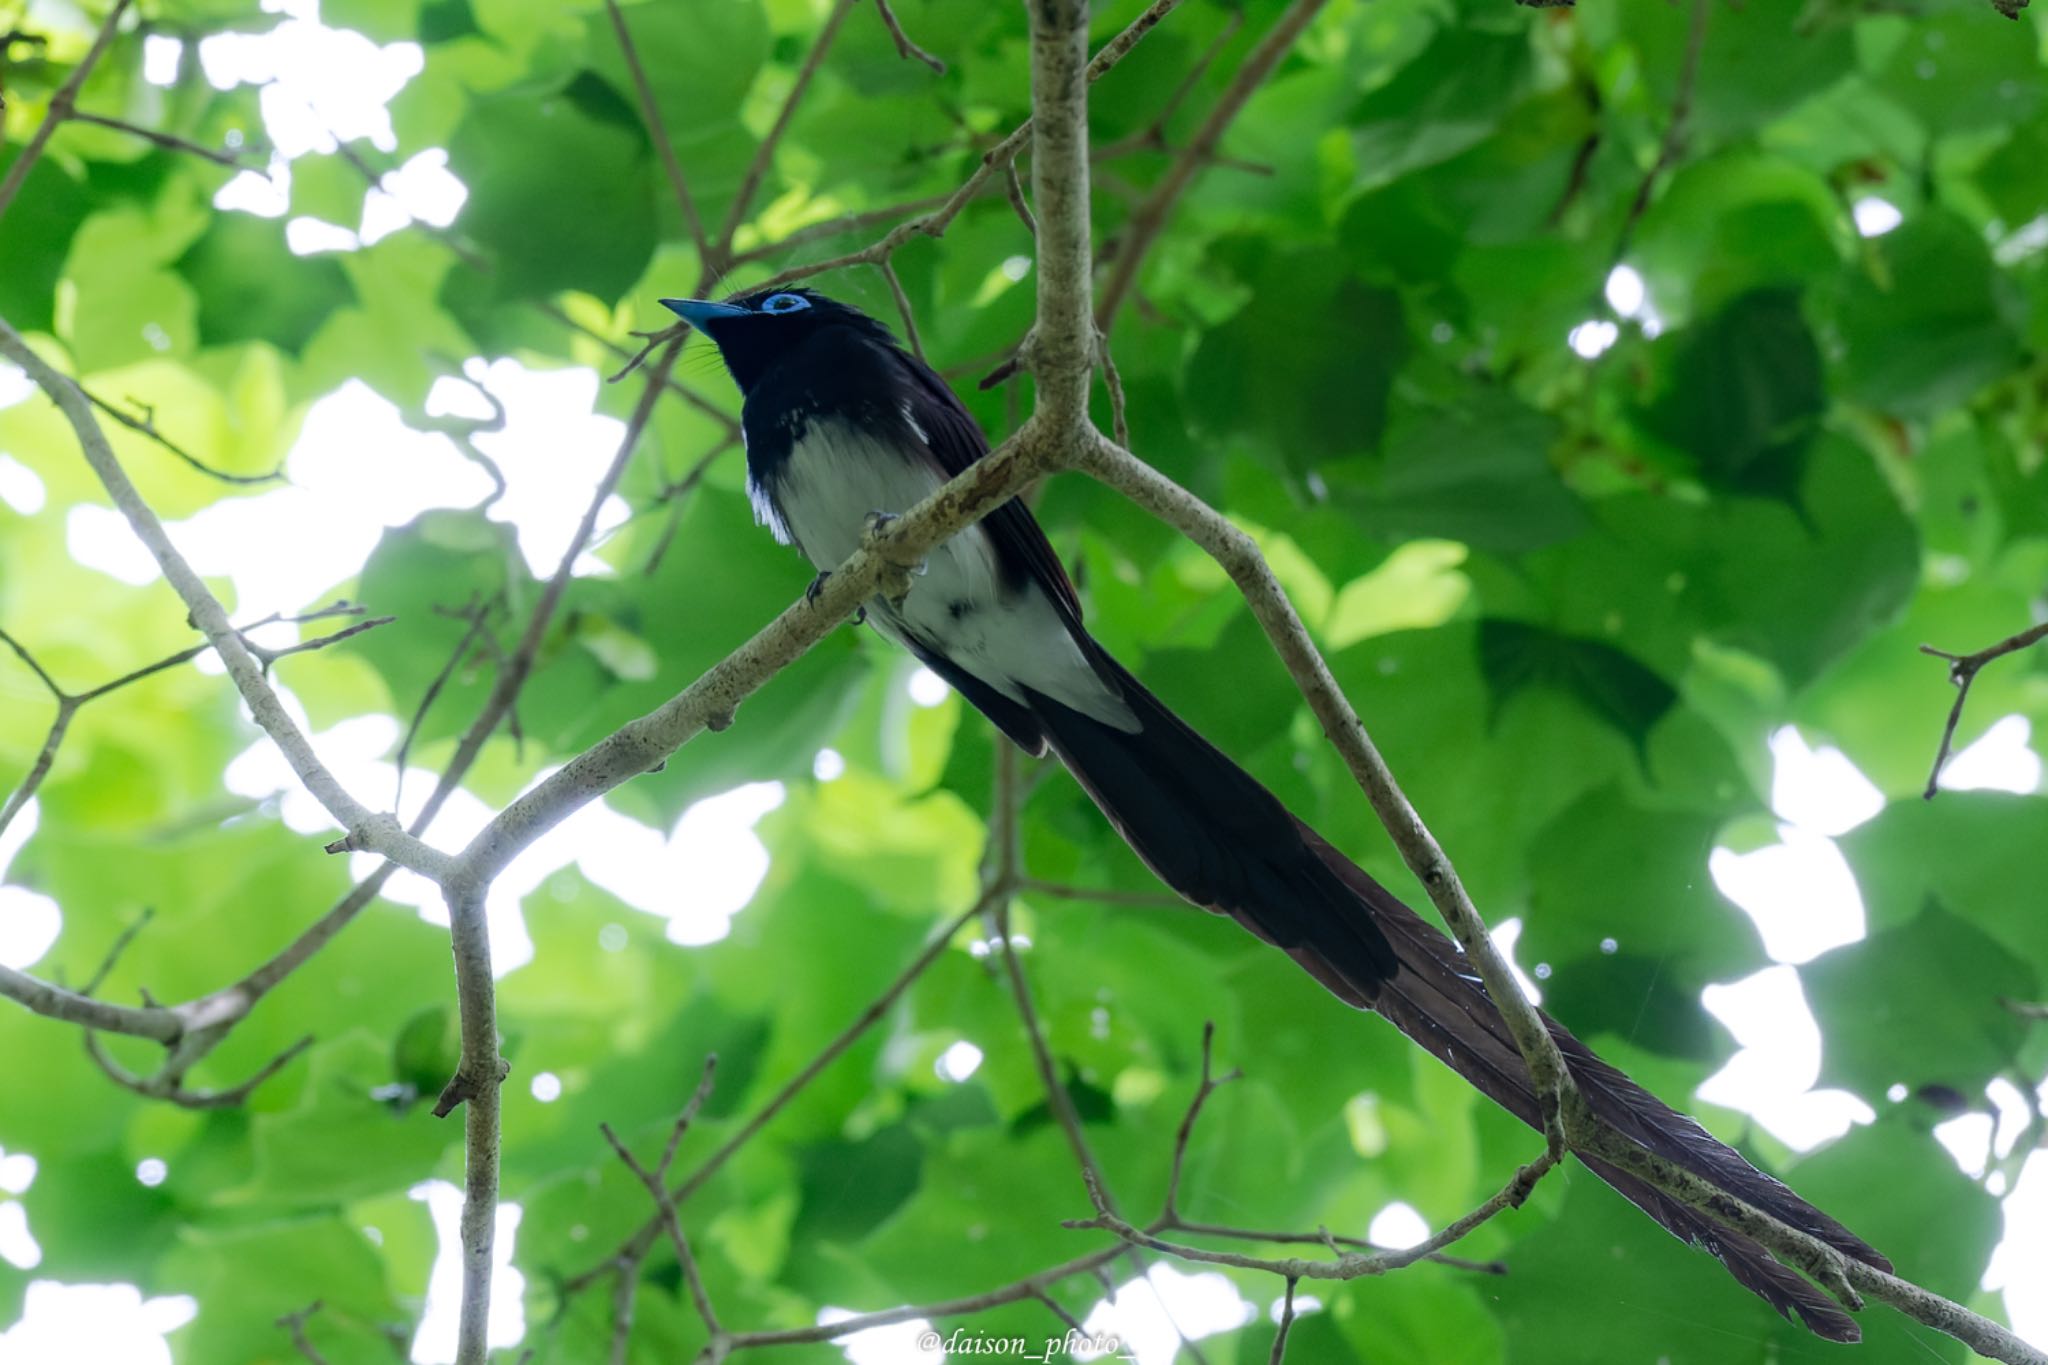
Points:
(1673, 142)
(1286, 1324)
(477, 613)
(1015, 186)
(650, 113)
(1151, 216)
(146, 426)
(366, 829)
(295, 1323)
(62, 105)
(903, 307)
(935, 223)
(1209, 1083)
(1962, 671)
(1101, 895)
(168, 141)
(656, 1182)
(934, 947)
(757, 169)
(172, 1089)
(907, 49)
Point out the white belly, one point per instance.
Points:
(1010, 638)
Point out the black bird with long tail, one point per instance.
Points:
(841, 423)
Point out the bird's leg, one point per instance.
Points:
(860, 614)
(895, 583)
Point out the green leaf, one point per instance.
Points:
(251, 287)
(1920, 1004)
(1613, 685)
(35, 239)
(343, 1141)
(1337, 341)
(587, 225)
(1754, 61)
(1743, 394)
(1478, 472)
(1449, 97)
(1935, 328)
(1608, 871)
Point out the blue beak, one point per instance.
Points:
(700, 313)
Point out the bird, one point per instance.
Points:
(843, 428)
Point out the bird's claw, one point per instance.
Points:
(817, 588)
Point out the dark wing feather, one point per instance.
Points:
(956, 441)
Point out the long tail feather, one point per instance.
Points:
(1218, 837)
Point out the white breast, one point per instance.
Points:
(1011, 639)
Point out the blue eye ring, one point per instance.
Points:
(784, 303)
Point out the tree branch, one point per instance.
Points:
(907, 49)
(1239, 556)
(764, 155)
(475, 1085)
(62, 105)
(1060, 350)
(365, 828)
(1962, 671)
(656, 1183)
(650, 113)
(1152, 215)
(168, 141)
(993, 162)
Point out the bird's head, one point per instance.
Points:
(755, 331)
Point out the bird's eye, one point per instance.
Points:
(784, 303)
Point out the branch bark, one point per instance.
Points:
(61, 106)
(365, 829)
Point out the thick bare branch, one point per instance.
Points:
(475, 1086)
(1060, 351)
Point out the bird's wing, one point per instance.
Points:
(956, 441)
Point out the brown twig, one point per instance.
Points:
(656, 1183)
(168, 141)
(63, 105)
(1015, 187)
(903, 307)
(68, 703)
(907, 49)
(1286, 1324)
(1151, 216)
(366, 828)
(665, 148)
(1673, 141)
(1101, 895)
(935, 223)
(831, 1052)
(477, 613)
(764, 155)
(1962, 671)
(295, 1323)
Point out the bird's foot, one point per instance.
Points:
(895, 584)
(811, 594)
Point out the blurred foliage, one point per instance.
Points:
(1571, 597)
